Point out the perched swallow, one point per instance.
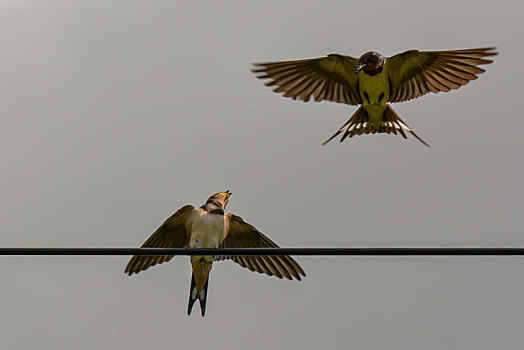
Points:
(210, 227)
(374, 80)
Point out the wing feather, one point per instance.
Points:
(415, 73)
(331, 78)
(171, 234)
(243, 235)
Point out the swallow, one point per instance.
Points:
(373, 81)
(210, 227)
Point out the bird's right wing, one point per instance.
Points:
(415, 73)
(171, 234)
(243, 235)
(331, 78)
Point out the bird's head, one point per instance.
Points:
(220, 199)
(371, 62)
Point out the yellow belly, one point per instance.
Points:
(374, 91)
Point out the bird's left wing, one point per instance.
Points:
(171, 234)
(240, 234)
(331, 78)
(415, 73)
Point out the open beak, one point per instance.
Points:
(360, 67)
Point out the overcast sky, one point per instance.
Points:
(117, 113)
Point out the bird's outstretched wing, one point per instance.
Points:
(415, 73)
(171, 234)
(242, 235)
(331, 78)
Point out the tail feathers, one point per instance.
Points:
(194, 295)
(202, 298)
(359, 124)
(391, 117)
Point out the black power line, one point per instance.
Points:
(393, 251)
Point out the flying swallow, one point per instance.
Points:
(373, 81)
(210, 227)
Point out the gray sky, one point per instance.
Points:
(117, 113)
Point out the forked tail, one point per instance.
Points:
(194, 295)
(359, 124)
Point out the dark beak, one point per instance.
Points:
(360, 67)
